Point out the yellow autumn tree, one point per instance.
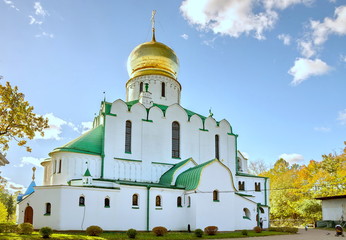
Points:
(18, 122)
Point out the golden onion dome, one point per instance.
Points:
(153, 58)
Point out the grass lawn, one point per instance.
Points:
(140, 235)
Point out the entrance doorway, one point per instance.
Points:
(28, 215)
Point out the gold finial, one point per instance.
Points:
(153, 24)
(33, 173)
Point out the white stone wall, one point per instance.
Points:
(73, 166)
(333, 209)
(152, 140)
(172, 88)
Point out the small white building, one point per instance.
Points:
(333, 208)
(149, 162)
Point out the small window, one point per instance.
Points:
(188, 201)
(141, 87)
(217, 147)
(158, 201)
(163, 89)
(241, 185)
(128, 130)
(175, 140)
(81, 201)
(107, 202)
(257, 186)
(246, 213)
(179, 204)
(215, 195)
(60, 162)
(48, 208)
(135, 200)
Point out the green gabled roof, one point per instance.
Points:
(167, 177)
(188, 112)
(89, 143)
(87, 173)
(190, 178)
(131, 103)
(108, 107)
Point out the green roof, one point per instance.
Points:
(190, 178)
(89, 143)
(167, 177)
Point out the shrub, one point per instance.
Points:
(159, 231)
(131, 233)
(199, 232)
(244, 232)
(211, 230)
(94, 231)
(25, 228)
(283, 229)
(46, 232)
(8, 228)
(257, 229)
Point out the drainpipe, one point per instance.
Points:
(258, 214)
(103, 140)
(265, 191)
(148, 204)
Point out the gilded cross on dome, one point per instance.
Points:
(153, 23)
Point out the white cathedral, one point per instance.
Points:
(148, 162)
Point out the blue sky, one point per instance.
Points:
(274, 69)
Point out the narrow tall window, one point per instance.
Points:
(188, 201)
(141, 87)
(179, 202)
(60, 162)
(257, 186)
(175, 140)
(241, 185)
(158, 201)
(217, 147)
(48, 208)
(107, 203)
(128, 130)
(135, 200)
(81, 201)
(163, 89)
(215, 195)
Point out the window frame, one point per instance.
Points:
(128, 136)
(175, 139)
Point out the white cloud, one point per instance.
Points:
(209, 42)
(306, 48)
(55, 127)
(185, 36)
(45, 34)
(342, 117)
(11, 4)
(39, 11)
(321, 30)
(34, 21)
(30, 161)
(86, 126)
(292, 157)
(342, 58)
(13, 187)
(322, 129)
(304, 68)
(285, 38)
(237, 17)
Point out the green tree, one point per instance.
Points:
(3, 213)
(17, 120)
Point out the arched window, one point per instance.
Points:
(128, 130)
(175, 140)
(48, 208)
(179, 204)
(81, 201)
(60, 162)
(247, 213)
(163, 89)
(158, 201)
(216, 196)
(188, 201)
(217, 147)
(135, 200)
(257, 186)
(141, 87)
(241, 185)
(107, 202)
